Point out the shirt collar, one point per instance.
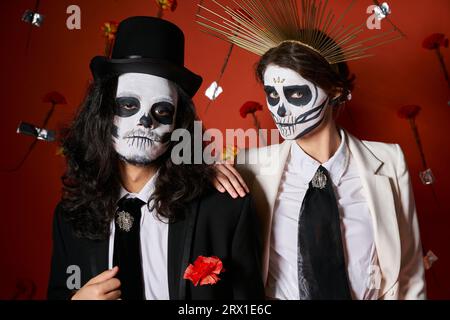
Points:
(144, 194)
(308, 166)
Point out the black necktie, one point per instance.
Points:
(322, 271)
(127, 248)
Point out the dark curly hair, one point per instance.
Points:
(91, 183)
(333, 79)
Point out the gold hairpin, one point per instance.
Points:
(260, 25)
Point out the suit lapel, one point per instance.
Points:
(380, 198)
(180, 240)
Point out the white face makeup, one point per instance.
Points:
(296, 104)
(144, 118)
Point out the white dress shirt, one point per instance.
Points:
(356, 224)
(154, 236)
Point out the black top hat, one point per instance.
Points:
(148, 45)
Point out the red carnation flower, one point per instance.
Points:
(54, 97)
(167, 4)
(205, 270)
(109, 29)
(409, 112)
(250, 107)
(435, 41)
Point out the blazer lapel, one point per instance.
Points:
(380, 198)
(180, 240)
(265, 190)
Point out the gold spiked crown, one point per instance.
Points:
(260, 25)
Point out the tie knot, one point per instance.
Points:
(131, 205)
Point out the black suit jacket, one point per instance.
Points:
(215, 225)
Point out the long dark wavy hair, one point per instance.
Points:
(91, 183)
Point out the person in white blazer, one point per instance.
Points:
(382, 201)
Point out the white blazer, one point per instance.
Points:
(386, 183)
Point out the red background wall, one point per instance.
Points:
(401, 73)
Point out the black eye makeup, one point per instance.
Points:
(273, 98)
(127, 106)
(163, 112)
(298, 95)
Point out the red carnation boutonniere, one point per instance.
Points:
(205, 270)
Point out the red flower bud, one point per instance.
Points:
(250, 107)
(409, 112)
(54, 97)
(435, 41)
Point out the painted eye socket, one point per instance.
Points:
(163, 112)
(127, 106)
(298, 95)
(273, 97)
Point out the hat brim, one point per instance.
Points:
(103, 67)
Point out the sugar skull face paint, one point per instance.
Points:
(145, 111)
(296, 104)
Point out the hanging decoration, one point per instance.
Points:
(215, 87)
(429, 259)
(410, 112)
(250, 108)
(381, 10)
(35, 19)
(435, 42)
(214, 90)
(40, 133)
(165, 5)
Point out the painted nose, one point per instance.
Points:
(146, 121)
(281, 111)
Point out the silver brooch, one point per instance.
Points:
(124, 220)
(319, 180)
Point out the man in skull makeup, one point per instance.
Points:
(154, 112)
(131, 220)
